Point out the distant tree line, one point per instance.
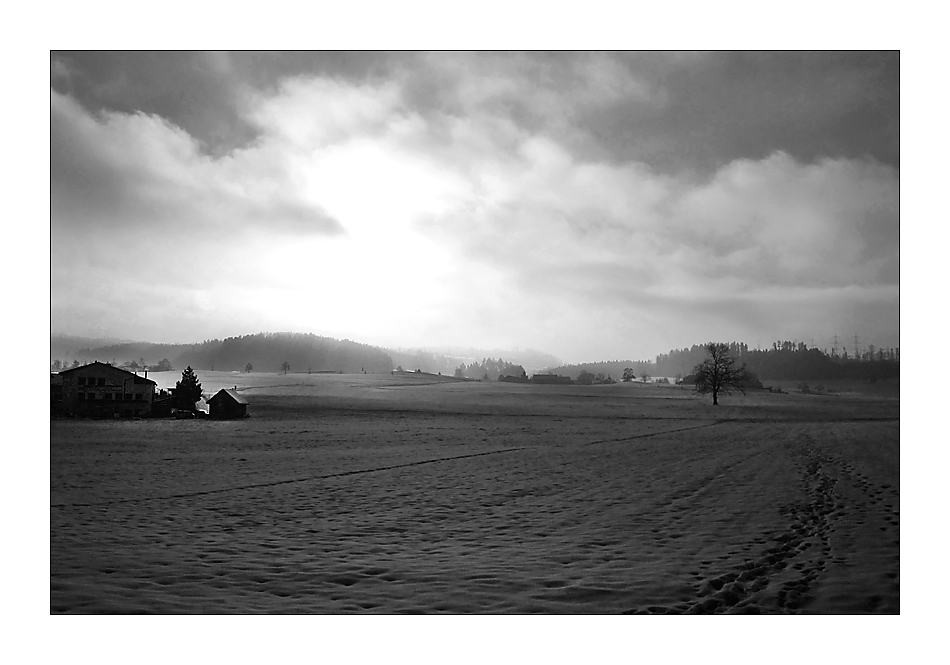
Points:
(585, 378)
(785, 360)
(436, 362)
(490, 370)
(615, 369)
(790, 361)
(163, 365)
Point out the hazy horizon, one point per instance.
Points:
(843, 344)
(591, 206)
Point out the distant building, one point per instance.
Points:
(100, 390)
(226, 403)
(551, 379)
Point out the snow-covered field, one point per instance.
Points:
(347, 493)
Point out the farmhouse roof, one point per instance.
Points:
(138, 379)
(230, 392)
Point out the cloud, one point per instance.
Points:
(689, 256)
(776, 221)
(772, 221)
(309, 112)
(145, 227)
(672, 111)
(462, 199)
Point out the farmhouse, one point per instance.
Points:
(551, 379)
(226, 403)
(100, 390)
(55, 394)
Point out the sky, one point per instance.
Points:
(592, 205)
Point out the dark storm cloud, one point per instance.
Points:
(141, 171)
(723, 106)
(195, 91)
(692, 111)
(204, 93)
(678, 111)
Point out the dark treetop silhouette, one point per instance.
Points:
(188, 390)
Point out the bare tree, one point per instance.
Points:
(718, 373)
(285, 366)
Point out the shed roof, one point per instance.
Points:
(230, 392)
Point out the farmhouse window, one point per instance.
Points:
(82, 380)
(101, 381)
(138, 396)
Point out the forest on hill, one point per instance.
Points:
(65, 347)
(267, 352)
(263, 352)
(292, 352)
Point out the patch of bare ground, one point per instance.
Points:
(356, 494)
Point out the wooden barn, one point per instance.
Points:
(226, 403)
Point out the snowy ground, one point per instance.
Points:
(348, 493)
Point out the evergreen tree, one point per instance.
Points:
(188, 390)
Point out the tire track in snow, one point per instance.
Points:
(276, 483)
(669, 431)
(341, 474)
